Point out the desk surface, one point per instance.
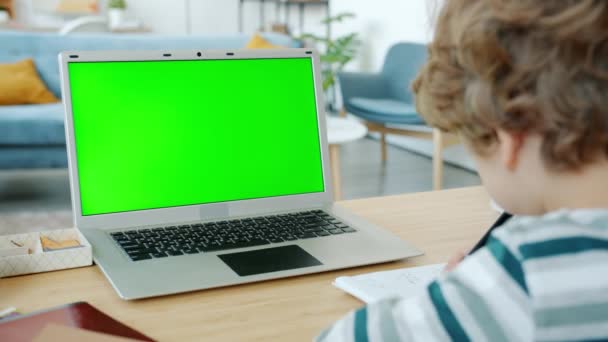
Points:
(439, 223)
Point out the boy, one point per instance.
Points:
(525, 84)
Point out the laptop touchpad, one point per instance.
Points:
(269, 260)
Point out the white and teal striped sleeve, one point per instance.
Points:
(484, 298)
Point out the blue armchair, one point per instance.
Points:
(384, 99)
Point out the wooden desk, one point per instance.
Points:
(293, 309)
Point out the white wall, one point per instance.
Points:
(380, 23)
(213, 16)
(162, 16)
(25, 14)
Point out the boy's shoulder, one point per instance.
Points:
(563, 231)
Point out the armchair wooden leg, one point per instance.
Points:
(383, 146)
(343, 113)
(437, 160)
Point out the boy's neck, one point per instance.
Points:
(587, 188)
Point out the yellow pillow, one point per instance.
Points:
(20, 84)
(259, 42)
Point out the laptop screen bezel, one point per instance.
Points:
(196, 212)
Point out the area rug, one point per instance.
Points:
(453, 155)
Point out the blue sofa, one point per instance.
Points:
(32, 136)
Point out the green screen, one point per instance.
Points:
(160, 134)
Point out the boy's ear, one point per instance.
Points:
(510, 146)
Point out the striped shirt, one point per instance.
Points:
(537, 279)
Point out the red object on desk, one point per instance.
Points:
(79, 315)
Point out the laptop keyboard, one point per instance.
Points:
(196, 238)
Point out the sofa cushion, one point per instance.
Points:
(20, 84)
(259, 42)
(32, 125)
(44, 157)
(385, 110)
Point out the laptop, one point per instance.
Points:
(192, 170)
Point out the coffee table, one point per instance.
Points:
(340, 131)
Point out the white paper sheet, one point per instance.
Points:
(404, 282)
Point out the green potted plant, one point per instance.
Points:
(336, 53)
(116, 12)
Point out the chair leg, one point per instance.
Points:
(334, 159)
(383, 147)
(437, 160)
(343, 113)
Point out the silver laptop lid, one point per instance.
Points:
(177, 136)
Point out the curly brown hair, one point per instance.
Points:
(534, 66)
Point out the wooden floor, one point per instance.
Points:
(363, 175)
